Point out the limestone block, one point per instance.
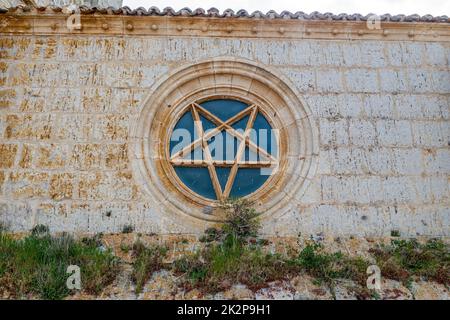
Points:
(61, 186)
(329, 80)
(8, 154)
(405, 53)
(26, 185)
(116, 156)
(347, 160)
(270, 52)
(8, 99)
(77, 127)
(334, 132)
(428, 134)
(407, 161)
(143, 49)
(345, 189)
(437, 161)
(362, 80)
(95, 100)
(326, 54)
(45, 48)
(111, 127)
(399, 190)
(381, 161)
(408, 106)
(87, 156)
(421, 80)
(441, 81)
(94, 185)
(372, 54)
(393, 80)
(394, 133)
(379, 106)
(34, 99)
(51, 156)
(304, 80)
(126, 101)
(37, 126)
(299, 53)
(16, 215)
(362, 133)
(12, 47)
(435, 54)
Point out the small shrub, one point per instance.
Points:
(147, 260)
(241, 219)
(40, 230)
(127, 228)
(395, 233)
(231, 256)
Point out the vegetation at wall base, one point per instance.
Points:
(37, 265)
(231, 253)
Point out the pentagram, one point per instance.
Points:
(264, 160)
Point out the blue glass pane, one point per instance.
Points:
(207, 125)
(264, 136)
(222, 175)
(241, 124)
(247, 181)
(183, 133)
(223, 147)
(198, 180)
(224, 109)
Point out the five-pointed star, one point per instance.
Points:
(177, 158)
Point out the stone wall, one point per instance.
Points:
(69, 102)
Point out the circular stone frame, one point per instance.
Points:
(228, 78)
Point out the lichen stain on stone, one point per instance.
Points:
(61, 186)
(115, 128)
(28, 184)
(26, 157)
(2, 179)
(20, 44)
(88, 187)
(7, 155)
(50, 157)
(27, 126)
(45, 48)
(86, 156)
(116, 156)
(20, 74)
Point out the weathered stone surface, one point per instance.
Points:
(305, 289)
(69, 105)
(238, 292)
(429, 291)
(161, 287)
(394, 290)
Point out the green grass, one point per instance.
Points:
(328, 267)
(37, 265)
(220, 265)
(232, 254)
(146, 261)
(407, 260)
